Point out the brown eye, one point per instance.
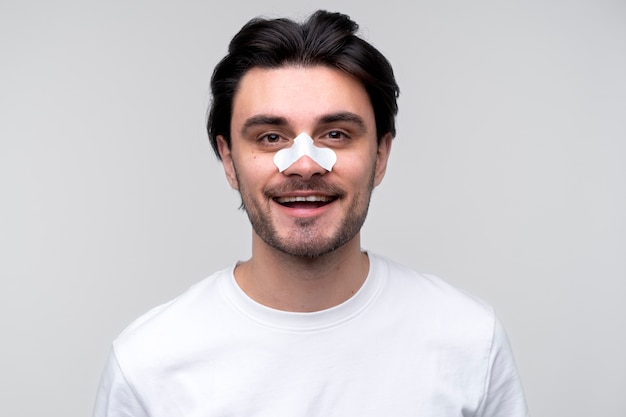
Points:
(271, 138)
(336, 134)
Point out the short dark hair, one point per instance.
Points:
(327, 39)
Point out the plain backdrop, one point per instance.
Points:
(507, 178)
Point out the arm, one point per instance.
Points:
(503, 390)
(115, 397)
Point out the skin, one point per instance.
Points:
(305, 256)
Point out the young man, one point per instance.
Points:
(303, 118)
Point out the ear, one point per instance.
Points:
(382, 156)
(227, 162)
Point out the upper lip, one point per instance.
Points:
(295, 190)
(308, 197)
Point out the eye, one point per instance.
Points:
(336, 135)
(271, 138)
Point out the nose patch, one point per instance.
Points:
(303, 145)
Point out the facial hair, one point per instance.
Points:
(306, 240)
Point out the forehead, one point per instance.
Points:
(300, 95)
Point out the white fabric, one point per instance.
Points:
(303, 145)
(404, 345)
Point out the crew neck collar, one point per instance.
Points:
(306, 321)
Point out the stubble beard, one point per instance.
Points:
(306, 240)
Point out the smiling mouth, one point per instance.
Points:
(312, 201)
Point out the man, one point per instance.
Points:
(302, 117)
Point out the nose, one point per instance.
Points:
(305, 167)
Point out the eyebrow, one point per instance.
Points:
(265, 120)
(344, 117)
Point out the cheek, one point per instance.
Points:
(262, 163)
(255, 168)
(358, 166)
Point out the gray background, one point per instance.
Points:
(506, 178)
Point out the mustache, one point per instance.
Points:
(293, 184)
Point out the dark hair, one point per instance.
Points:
(324, 39)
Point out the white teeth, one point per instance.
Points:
(311, 199)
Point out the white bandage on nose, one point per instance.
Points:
(303, 145)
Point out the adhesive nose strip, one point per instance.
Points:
(303, 145)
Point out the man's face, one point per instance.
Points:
(305, 210)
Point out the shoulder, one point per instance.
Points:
(432, 302)
(426, 286)
(193, 298)
(166, 328)
(457, 330)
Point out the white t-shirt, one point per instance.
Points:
(404, 345)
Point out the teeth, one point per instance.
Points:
(310, 199)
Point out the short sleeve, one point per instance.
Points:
(504, 395)
(115, 397)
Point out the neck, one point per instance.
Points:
(289, 283)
